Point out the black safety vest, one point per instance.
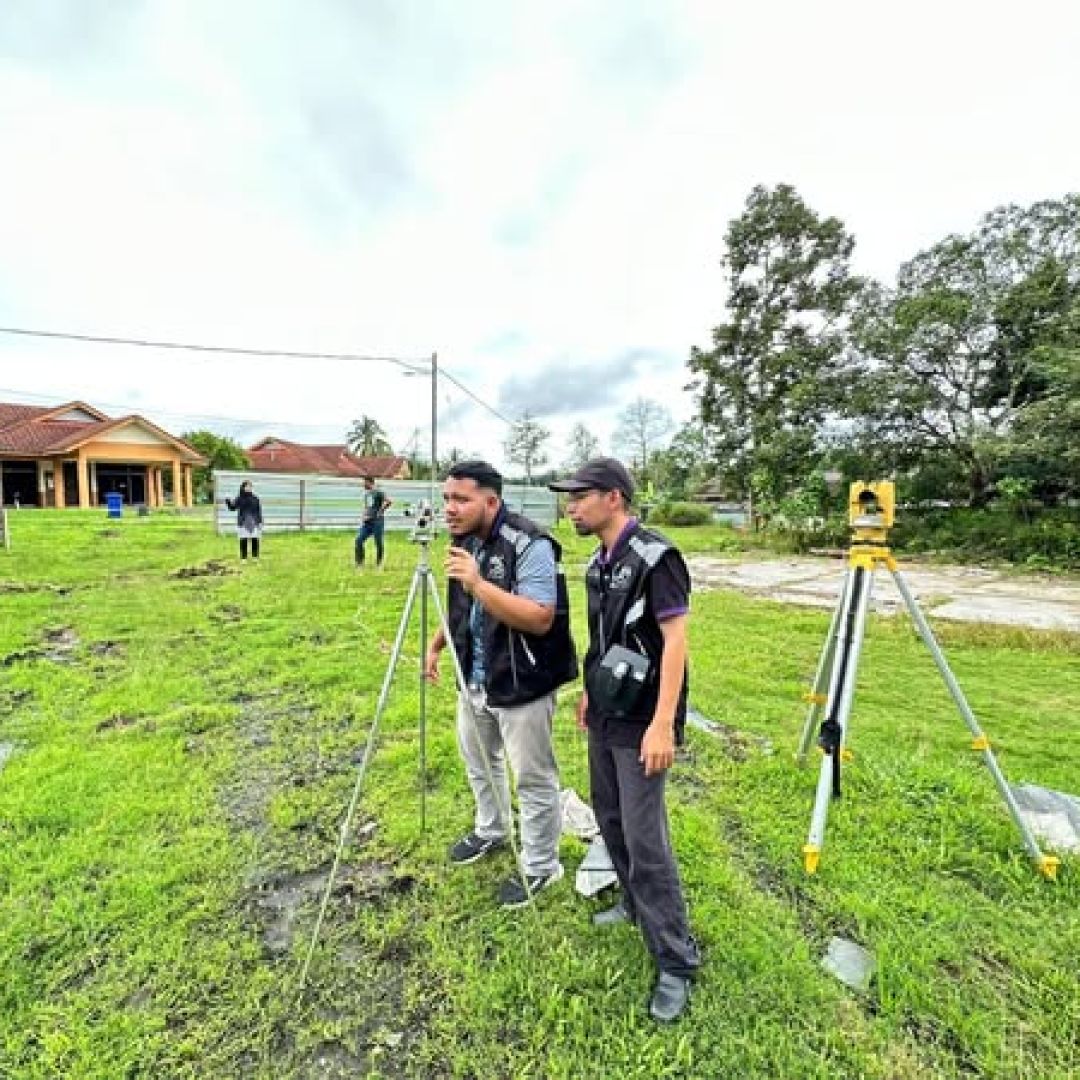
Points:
(620, 614)
(518, 667)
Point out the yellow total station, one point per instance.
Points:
(871, 510)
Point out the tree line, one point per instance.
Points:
(961, 378)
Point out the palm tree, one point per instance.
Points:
(367, 439)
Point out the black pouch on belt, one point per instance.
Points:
(619, 682)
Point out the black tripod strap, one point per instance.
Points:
(831, 734)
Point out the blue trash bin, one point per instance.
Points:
(115, 503)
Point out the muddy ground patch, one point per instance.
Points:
(58, 646)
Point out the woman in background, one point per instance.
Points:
(249, 519)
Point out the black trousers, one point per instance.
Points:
(632, 816)
(244, 547)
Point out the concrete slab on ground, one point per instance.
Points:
(969, 594)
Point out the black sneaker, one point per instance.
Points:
(472, 847)
(513, 893)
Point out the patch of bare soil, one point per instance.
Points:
(11, 587)
(211, 568)
(279, 900)
(58, 646)
(227, 613)
(119, 722)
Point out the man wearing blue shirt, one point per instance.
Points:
(509, 622)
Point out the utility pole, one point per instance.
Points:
(434, 426)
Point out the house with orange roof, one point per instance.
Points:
(274, 455)
(74, 455)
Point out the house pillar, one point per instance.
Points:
(59, 496)
(84, 482)
(177, 484)
(188, 493)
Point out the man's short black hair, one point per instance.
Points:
(484, 473)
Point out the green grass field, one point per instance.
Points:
(185, 745)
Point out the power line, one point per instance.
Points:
(490, 408)
(416, 365)
(409, 363)
(245, 421)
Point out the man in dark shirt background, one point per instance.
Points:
(638, 589)
(374, 521)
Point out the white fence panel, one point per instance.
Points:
(291, 502)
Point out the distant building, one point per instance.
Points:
(274, 455)
(74, 455)
(724, 508)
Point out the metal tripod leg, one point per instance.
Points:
(845, 666)
(369, 748)
(426, 571)
(1047, 865)
(817, 696)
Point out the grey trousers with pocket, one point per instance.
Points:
(632, 816)
(522, 734)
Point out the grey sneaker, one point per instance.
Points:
(670, 997)
(513, 893)
(612, 916)
(471, 848)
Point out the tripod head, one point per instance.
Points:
(871, 510)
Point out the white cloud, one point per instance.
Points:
(526, 189)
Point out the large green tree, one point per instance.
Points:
(685, 465)
(221, 452)
(977, 333)
(775, 372)
(1045, 441)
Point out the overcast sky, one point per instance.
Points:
(538, 192)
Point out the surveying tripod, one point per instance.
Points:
(422, 588)
(871, 511)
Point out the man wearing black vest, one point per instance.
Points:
(634, 708)
(509, 618)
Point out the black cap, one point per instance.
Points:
(600, 474)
